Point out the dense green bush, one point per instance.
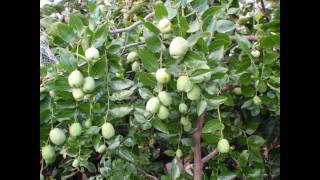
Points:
(125, 103)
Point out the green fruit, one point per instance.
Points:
(48, 154)
(75, 163)
(102, 148)
(165, 98)
(75, 129)
(57, 136)
(92, 54)
(257, 100)
(153, 105)
(187, 127)
(242, 20)
(163, 112)
(237, 91)
(77, 94)
(107, 130)
(135, 66)
(223, 146)
(163, 47)
(178, 153)
(162, 76)
(194, 94)
(164, 26)
(255, 53)
(183, 108)
(184, 121)
(166, 36)
(178, 48)
(132, 56)
(88, 85)
(52, 93)
(42, 89)
(207, 76)
(75, 79)
(88, 123)
(184, 84)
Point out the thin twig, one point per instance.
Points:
(262, 9)
(134, 25)
(130, 46)
(210, 156)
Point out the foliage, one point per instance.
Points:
(220, 56)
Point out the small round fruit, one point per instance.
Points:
(242, 20)
(88, 123)
(183, 108)
(75, 129)
(237, 91)
(184, 84)
(75, 79)
(48, 154)
(164, 26)
(75, 163)
(52, 93)
(153, 105)
(102, 148)
(92, 54)
(194, 94)
(223, 146)
(107, 130)
(163, 112)
(257, 100)
(184, 121)
(162, 76)
(187, 127)
(88, 85)
(165, 98)
(135, 66)
(57, 136)
(77, 94)
(178, 48)
(255, 53)
(132, 56)
(42, 89)
(178, 153)
(163, 47)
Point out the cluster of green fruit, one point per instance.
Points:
(133, 58)
(80, 85)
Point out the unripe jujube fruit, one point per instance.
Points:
(107, 130)
(102, 148)
(153, 105)
(165, 98)
(164, 26)
(57, 136)
(163, 112)
(77, 94)
(237, 91)
(162, 76)
(187, 127)
(92, 54)
(178, 48)
(178, 153)
(42, 89)
(48, 154)
(89, 84)
(88, 123)
(242, 20)
(183, 108)
(255, 53)
(223, 146)
(75, 129)
(75, 79)
(132, 56)
(135, 66)
(195, 93)
(75, 163)
(184, 121)
(184, 84)
(257, 100)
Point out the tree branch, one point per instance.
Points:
(210, 156)
(249, 37)
(130, 45)
(134, 25)
(197, 148)
(262, 9)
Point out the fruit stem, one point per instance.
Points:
(108, 92)
(221, 132)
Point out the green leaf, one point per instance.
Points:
(268, 42)
(201, 107)
(152, 40)
(93, 130)
(175, 170)
(256, 141)
(170, 153)
(151, 27)
(67, 60)
(199, 75)
(193, 39)
(243, 43)
(120, 84)
(148, 59)
(160, 11)
(270, 57)
(221, 39)
(212, 126)
(212, 11)
(224, 26)
(216, 101)
(125, 154)
(147, 79)
(76, 23)
(121, 95)
(243, 65)
(121, 111)
(194, 26)
(217, 55)
(160, 126)
(100, 36)
(66, 33)
(172, 11)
